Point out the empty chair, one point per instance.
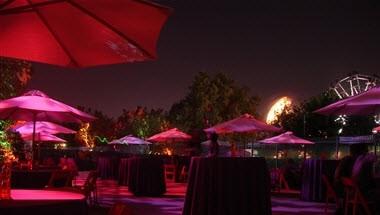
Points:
(354, 197)
(183, 175)
(89, 188)
(330, 193)
(169, 172)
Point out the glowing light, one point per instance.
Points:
(84, 135)
(167, 151)
(278, 108)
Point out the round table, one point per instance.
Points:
(44, 202)
(107, 167)
(226, 185)
(146, 176)
(313, 188)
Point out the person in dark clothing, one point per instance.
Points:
(214, 145)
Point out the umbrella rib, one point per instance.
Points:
(25, 8)
(54, 34)
(89, 13)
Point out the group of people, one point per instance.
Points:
(358, 166)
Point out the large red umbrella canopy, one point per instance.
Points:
(171, 135)
(41, 127)
(80, 32)
(43, 137)
(242, 124)
(366, 103)
(286, 138)
(37, 106)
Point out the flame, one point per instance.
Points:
(167, 151)
(278, 108)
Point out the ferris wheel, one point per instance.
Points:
(354, 84)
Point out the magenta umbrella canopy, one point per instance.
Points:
(42, 137)
(37, 106)
(41, 126)
(286, 138)
(80, 32)
(244, 123)
(366, 103)
(171, 135)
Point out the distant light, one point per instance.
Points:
(278, 108)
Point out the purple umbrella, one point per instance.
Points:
(41, 126)
(42, 137)
(366, 103)
(37, 106)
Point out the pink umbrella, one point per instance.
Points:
(376, 130)
(41, 126)
(171, 135)
(37, 106)
(42, 137)
(80, 32)
(286, 138)
(366, 103)
(242, 124)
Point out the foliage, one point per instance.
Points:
(211, 100)
(141, 122)
(14, 75)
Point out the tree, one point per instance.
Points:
(141, 122)
(14, 75)
(211, 100)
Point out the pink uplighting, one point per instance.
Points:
(45, 195)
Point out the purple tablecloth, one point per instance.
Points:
(313, 188)
(228, 186)
(146, 176)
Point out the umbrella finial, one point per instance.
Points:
(35, 93)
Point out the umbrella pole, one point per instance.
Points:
(337, 148)
(276, 156)
(33, 137)
(304, 153)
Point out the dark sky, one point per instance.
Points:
(276, 48)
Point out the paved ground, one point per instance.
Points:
(172, 202)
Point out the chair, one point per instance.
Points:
(169, 172)
(60, 178)
(354, 197)
(89, 188)
(183, 175)
(330, 193)
(278, 179)
(120, 209)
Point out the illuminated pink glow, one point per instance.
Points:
(41, 127)
(244, 123)
(35, 105)
(45, 195)
(286, 138)
(43, 137)
(173, 134)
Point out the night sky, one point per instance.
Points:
(276, 48)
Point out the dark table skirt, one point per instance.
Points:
(146, 176)
(123, 172)
(108, 167)
(228, 186)
(313, 188)
(30, 178)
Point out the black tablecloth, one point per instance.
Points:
(123, 172)
(228, 186)
(108, 167)
(313, 187)
(146, 176)
(30, 178)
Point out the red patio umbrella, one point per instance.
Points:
(171, 135)
(242, 124)
(286, 138)
(37, 106)
(43, 137)
(80, 32)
